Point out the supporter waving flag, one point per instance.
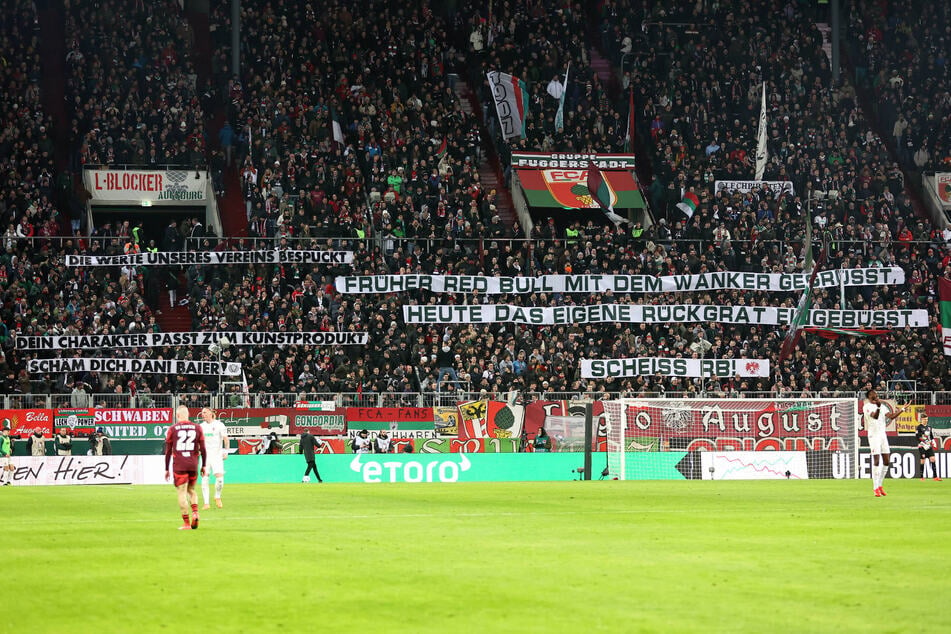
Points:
(510, 96)
(601, 193)
(335, 126)
(629, 137)
(761, 139)
(801, 314)
(560, 115)
(944, 305)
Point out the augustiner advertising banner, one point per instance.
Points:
(725, 280)
(188, 258)
(168, 187)
(653, 366)
(191, 339)
(636, 313)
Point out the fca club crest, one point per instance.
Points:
(569, 188)
(677, 418)
(176, 186)
(752, 368)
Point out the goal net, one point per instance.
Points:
(730, 439)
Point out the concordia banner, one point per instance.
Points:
(155, 186)
(777, 187)
(161, 339)
(188, 258)
(636, 314)
(134, 366)
(705, 368)
(726, 280)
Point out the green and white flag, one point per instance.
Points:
(944, 303)
(761, 139)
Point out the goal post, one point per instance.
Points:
(649, 439)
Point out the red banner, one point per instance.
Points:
(23, 422)
(390, 414)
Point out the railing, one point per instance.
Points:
(404, 399)
(143, 166)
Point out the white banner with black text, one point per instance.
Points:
(663, 366)
(188, 258)
(649, 314)
(161, 339)
(134, 366)
(724, 280)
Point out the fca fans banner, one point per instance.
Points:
(191, 339)
(360, 284)
(777, 187)
(636, 314)
(134, 366)
(53, 470)
(126, 424)
(159, 186)
(188, 258)
(613, 368)
(541, 160)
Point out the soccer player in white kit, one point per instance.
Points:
(876, 416)
(216, 443)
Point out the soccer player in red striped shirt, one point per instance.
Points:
(185, 442)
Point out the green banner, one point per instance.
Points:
(498, 467)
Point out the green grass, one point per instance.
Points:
(816, 556)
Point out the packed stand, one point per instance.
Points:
(900, 52)
(403, 161)
(28, 208)
(131, 86)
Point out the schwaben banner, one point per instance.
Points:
(636, 313)
(187, 258)
(654, 366)
(726, 280)
(161, 339)
(134, 366)
(154, 186)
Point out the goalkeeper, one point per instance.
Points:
(926, 445)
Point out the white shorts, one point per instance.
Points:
(878, 445)
(6, 461)
(216, 464)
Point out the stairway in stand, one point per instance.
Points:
(602, 68)
(174, 318)
(490, 170)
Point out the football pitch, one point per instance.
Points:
(754, 556)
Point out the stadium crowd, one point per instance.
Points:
(399, 186)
